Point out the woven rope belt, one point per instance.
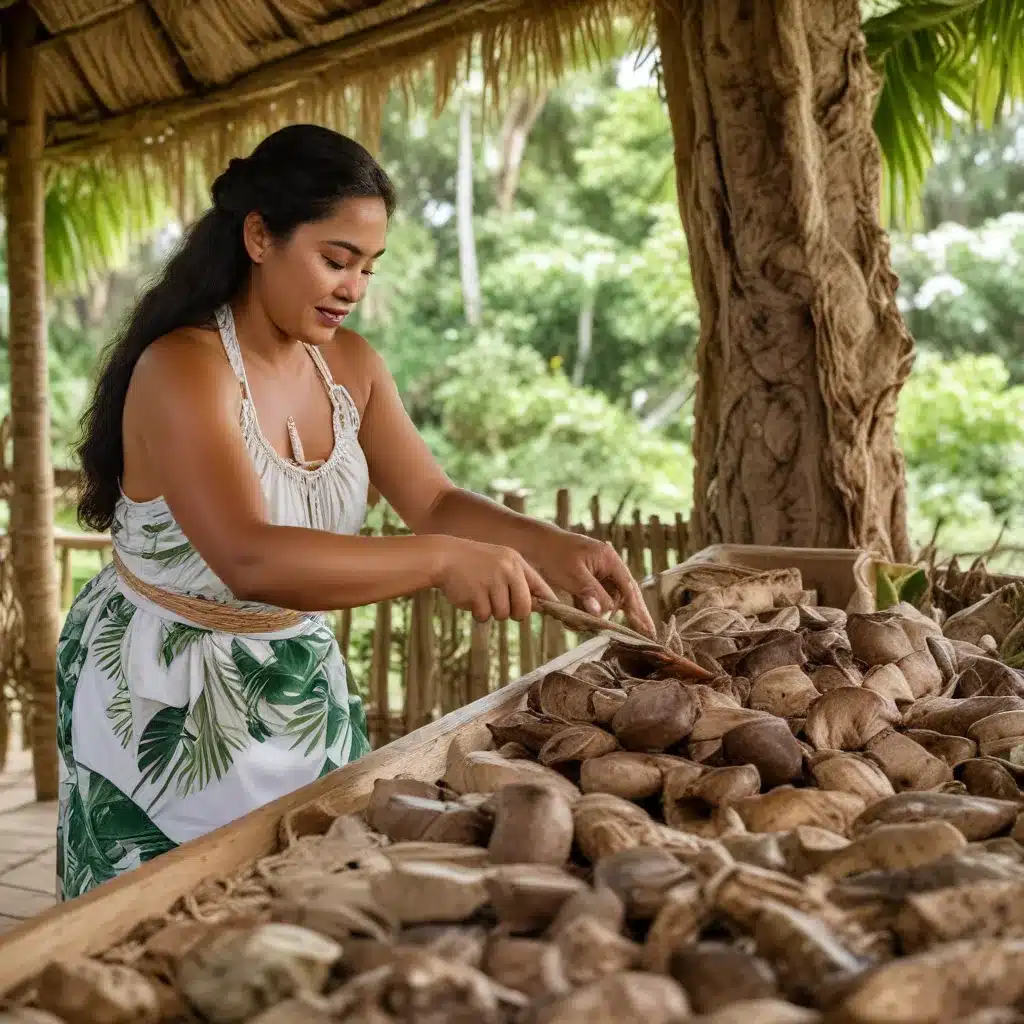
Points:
(210, 614)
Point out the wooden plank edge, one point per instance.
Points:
(99, 919)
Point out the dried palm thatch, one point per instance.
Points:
(161, 83)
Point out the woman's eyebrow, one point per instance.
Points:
(354, 249)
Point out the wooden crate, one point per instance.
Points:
(843, 577)
(834, 573)
(101, 918)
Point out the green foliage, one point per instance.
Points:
(960, 289)
(628, 157)
(961, 426)
(977, 175)
(507, 420)
(72, 360)
(595, 222)
(939, 60)
(595, 211)
(93, 217)
(896, 583)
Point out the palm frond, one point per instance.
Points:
(998, 30)
(940, 61)
(93, 217)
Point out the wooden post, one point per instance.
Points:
(380, 669)
(67, 577)
(31, 526)
(343, 630)
(504, 670)
(658, 544)
(452, 683)
(527, 655)
(552, 638)
(595, 515)
(635, 546)
(504, 667)
(479, 670)
(617, 539)
(420, 691)
(682, 538)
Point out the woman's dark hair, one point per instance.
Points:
(294, 176)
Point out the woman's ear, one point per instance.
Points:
(256, 237)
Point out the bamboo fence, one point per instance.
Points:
(412, 659)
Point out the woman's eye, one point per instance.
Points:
(332, 264)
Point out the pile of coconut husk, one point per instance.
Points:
(775, 813)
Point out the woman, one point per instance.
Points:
(234, 431)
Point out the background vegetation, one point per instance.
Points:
(567, 358)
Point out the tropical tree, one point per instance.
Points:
(781, 114)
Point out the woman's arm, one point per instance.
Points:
(184, 398)
(407, 475)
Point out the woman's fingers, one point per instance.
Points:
(519, 592)
(538, 587)
(480, 606)
(633, 603)
(592, 595)
(501, 604)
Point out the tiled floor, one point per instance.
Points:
(28, 848)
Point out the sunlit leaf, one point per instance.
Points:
(93, 217)
(940, 60)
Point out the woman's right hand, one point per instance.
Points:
(489, 580)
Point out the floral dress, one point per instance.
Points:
(167, 730)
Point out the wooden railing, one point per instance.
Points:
(413, 659)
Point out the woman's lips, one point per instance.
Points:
(331, 317)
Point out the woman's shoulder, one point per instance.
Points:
(185, 352)
(354, 362)
(185, 372)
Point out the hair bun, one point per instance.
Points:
(230, 191)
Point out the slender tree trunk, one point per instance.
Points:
(522, 113)
(802, 351)
(464, 214)
(585, 330)
(35, 571)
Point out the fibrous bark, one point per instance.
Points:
(31, 528)
(802, 350)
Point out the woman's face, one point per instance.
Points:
(309, 283)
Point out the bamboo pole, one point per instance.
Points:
(635, 546)
(453, 684)
(420, 681)
(598, 531)
(343, 631)
(478, 672)
(657, 541)
(380, 670)
(34, 563)
(552, 639)
(516, 501)
(682, 538)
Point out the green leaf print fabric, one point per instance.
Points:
(167, 730)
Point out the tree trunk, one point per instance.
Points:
(31, 527)
(585, 330)
(802, 351)
(520, 117)
(464, 215)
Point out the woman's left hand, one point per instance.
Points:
(593, 573)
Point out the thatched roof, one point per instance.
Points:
(141, 75)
